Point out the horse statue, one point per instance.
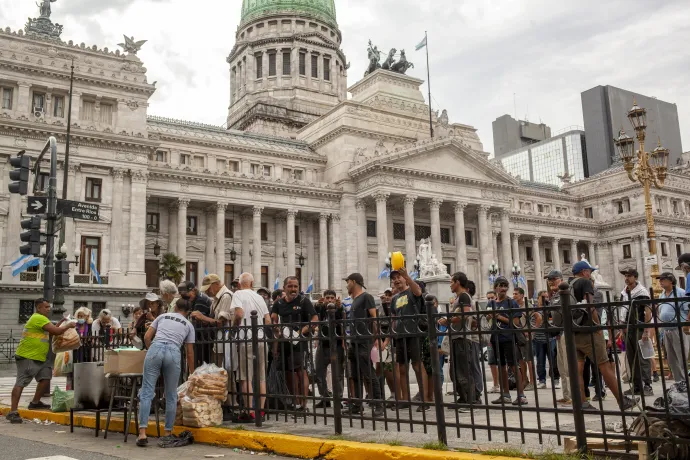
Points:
(389, 63)
(374, 57)
(402, 65)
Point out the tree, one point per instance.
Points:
(170, 268)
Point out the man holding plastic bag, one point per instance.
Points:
(31, 356)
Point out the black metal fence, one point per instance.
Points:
(377, 365)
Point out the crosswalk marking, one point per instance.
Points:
(7, 383)
(55, 457)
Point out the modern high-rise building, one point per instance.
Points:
(511, 134)
(605, 110)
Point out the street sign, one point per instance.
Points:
(37, 204)
(78, 210)
(650, 260)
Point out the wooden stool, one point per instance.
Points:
(124, 389)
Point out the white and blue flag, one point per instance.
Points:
(24, 263)
(94, 270)
(310, 288)
(276, 285)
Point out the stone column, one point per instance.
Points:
(281, 255)
(556, 253)
(362, 240)
(209, 259)
(290, 242)
(256, 244)
(220, 240)
(137, 228)
(592, 256)
(615, 257)
(115, 222)
(182, 204)
(460, 243)
(323, 251)
(246, 258)
(312, 263)
(336, 254)
(505, 243)
(574, 256)
(516, 252)
(410, 241)
(538, 273)
(172, 228)
(381, 232)
(434, 210)
(494, 249)
(484, 248)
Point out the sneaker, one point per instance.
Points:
(557, 384)
(629, 403)
(598, 398)
(632, 391)
(588, 406)
(423, 408)
(655, 377)
(520, 401)
(648, 391)
(529, 387)
(377, 412)
(417, 397)
(541, 386)
(14, 417)
(38, 405)
(322, 404)
(495, 390)
(228, 416)
(244, 417)
(403, 405)
(352, 410)
(564, 402)
(502, 400)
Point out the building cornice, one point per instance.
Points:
(556, 221)
(293, 39)
(75, 289)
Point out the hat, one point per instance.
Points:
(150, 297)
(388, 291)
(357, 278)
(667, 276)
(185, 286)
(631, 272)
(208, 281)
(683, 259)
(554, 274)
(500, 280)
(263, 289)
(582, 265)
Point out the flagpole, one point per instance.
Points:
(428, 82)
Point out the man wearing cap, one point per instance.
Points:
(640, 374)
(203, 348)
(676, 352)
(582, 289)
(554, 279)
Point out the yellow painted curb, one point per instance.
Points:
(281, 444)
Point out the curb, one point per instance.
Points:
(281, 444)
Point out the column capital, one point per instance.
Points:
(138, 175)
(72, 168)
(556, 240)
(410, 199)
(460, 206)
(505, 212)
(183, 203)
(360, 205)
(291, 213)
(245, 217)
(323, 217)
(220, 207)
(516, 236)
(435, 203)
(381, 197)
(536, 238)
(117, 173)
(335, 218)
(637, 237)
(483, 209)
(574, 242)
(257, 210)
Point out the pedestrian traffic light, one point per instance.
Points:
(20, 175)
(32, 237)
(61, 273)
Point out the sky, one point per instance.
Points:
(526, 58)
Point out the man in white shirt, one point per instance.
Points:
(244, 302)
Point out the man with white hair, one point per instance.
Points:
(244, 302)
(168, 294)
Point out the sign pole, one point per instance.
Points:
(49, 273)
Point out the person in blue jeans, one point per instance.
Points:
(164, 340)
(544, 342)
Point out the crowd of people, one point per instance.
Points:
(374, 344)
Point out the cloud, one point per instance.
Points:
(484, 54)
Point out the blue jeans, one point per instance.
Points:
(164, 357)
(544, 351)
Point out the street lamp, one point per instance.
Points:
(650, 169)
(516, 274)
(493, 271)
(301, 260)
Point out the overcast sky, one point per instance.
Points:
(482, 52)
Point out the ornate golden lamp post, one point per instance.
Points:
(649, 169)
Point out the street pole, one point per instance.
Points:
(67, 140)
(428, 78)
(49, 273)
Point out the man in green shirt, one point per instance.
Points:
(31, 356)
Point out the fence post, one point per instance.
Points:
(573, 371)
(436, 368)
(335, 369)
(256, 381)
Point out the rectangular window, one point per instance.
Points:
(627, 251)
(287, 70)
(7, 102)
(26, 309)
(371, 228)
(151, 270)
(88, 111)
(267, 171)
(89, 245)
(161, 155)
(153, 220)
(664, 250)
(469, 238)
(97, 308)
(589, 213)
(264, 231)
(620, 207)
(528, 253)
(302, 63)
(421, 231)
(229, 274)
(254, 168)
(540, 208)
(272, 64)
(192, 225)
(59, 106)
(234, 166)
(398, 231)
(185, 159)
(547, 255)
(221, 165)
(198, 162)
(445, 235)
(229, 228)
(259, 66)
(326, 69)
(314, 66)
(298, 235)
(107, 114)
(93, 189)
(679, 250)
(43, 181)
(39, 100)
(264, 275)
(192, 272)
(298, 174)
(566, 256)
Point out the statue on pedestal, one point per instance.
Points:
(44, 8)
(429, 264)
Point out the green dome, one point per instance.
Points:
(320, 9)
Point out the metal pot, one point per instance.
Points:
(90, 386)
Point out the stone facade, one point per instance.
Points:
(359, 181)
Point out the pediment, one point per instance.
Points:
(316, 37)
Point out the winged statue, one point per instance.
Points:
(44, 7)
(131, 46)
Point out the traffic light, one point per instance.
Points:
(61, 273)
(20, 175)
(32, 237)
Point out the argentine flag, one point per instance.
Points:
(24, 263)
(276, 285)
(94, 270)
(310, 288)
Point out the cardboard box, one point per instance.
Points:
(124, 362)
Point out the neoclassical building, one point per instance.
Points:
(309, 177)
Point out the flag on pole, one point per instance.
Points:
(421, 44)
(310, 288)
(94, 270)
(206, 272)
(24, 263)
(276, 285)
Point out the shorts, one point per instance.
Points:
(492, 355)
(583, 345)
(28, 370)
(525, 352)
(246, 367)
(504, 353)
(292, 357)
(408, 349)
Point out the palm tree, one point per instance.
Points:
(170, 268)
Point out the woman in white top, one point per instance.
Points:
(106, 320)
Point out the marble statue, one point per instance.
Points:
(429, 264)
(44, 8)
(131, 46)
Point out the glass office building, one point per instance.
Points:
(545, 161)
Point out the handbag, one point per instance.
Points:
(445, 346)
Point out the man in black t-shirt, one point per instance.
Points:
(294, 312)
(323, 347)
(362, 333)
(203, 348)
(408, 302)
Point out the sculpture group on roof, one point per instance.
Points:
(401, 66)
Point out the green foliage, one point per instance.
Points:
(434, 445)
(170, 268)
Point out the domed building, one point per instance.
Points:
(309, 177)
